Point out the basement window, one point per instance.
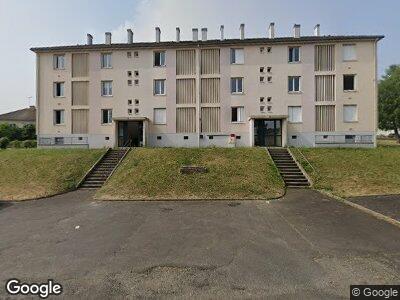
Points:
(185, 137)
(294, 137)
(107, 138)
(80, 138)
(238, 137)
(59, 141)
(159, 137)
(210, 137)
(201, 136)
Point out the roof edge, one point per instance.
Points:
(214, 42)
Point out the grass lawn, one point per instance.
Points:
(32, 173)
(232, 174)
(350, 172)
(388, 142)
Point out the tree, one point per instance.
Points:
(389, 101)
(28, 132)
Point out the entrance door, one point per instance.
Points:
(130, 133)
(268, 133)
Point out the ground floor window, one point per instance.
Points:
(237, 114)
(59, 117)
(106, 116)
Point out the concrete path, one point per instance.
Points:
(302, 246)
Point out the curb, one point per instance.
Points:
(371, 212)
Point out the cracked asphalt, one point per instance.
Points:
(302, 246)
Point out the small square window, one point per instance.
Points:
(136, 102)
(261, 99)
(349, 82)
(59, 140)
(130, 102)
(185, 137)
(136, 54)
(269, 49)
(262, 49)
(325, 136)
(136, 73)
(269, 99)
(129, 82)
(269, 69)
(136, 110)
(129, 54)
(261, 108)
(136, 81)
(294, 137)
(261, 69)
(269, 78)
(129, 111)
(159, 137)
(129, 73)
(201, 136)
(210, 137)
(238, 137)
(262, 79)
(269, 108)
(107, 138)
(80, 138)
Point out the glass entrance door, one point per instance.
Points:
(130, 133)
(268, 133)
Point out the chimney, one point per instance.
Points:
(204, 34)
(158, 34)
(130, 36)
(296, 30)
(89, 39)
(317, 31)
(108, 38)
(271, 30)
(241, 29)
(195, 32)
(178, 34)
(222, 32)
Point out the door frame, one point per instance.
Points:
(142, 127)
(282, 118)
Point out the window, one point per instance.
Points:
(136, 54)
(130, 102)
(106, 60)
(129, 82)
(261, 49)
(237, 114)
(237, 56)
(349, 82)
(262, 79)
(159, 87)
(269, 99)
(350, 113)
(159, 58)
(269, 69)
(185, 137)
(106, 116)
(261, 69)
(136, 102)
(269, 78)
(129, 73)
(269, 108)
(269, 49)
(349, 52)
(159, 137)
(262, 109)
(237, 85)
(136, 81)
(129, 111)
(136, 110)
(59, 62)
(294, 54)
(59, 89)
(295, 115)
(136, 73)
(59, 141)
(261, 99)
(106, 88)
(129, 54)
(294, 84)
(59, 117)
(160, 116)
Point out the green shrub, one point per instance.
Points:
(15, 144)
(28, 144)
(4, 141)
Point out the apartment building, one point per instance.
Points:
(313, 91)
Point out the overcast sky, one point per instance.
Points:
(28, 23)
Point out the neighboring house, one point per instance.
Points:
(20, 117)
(274, 91)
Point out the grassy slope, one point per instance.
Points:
(354, 172)
(32, 173)
(233, 173)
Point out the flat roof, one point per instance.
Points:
(215, 42)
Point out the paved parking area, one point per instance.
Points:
(302, 246)
(388, 205)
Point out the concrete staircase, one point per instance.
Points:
(103, 169)
(288, 168)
